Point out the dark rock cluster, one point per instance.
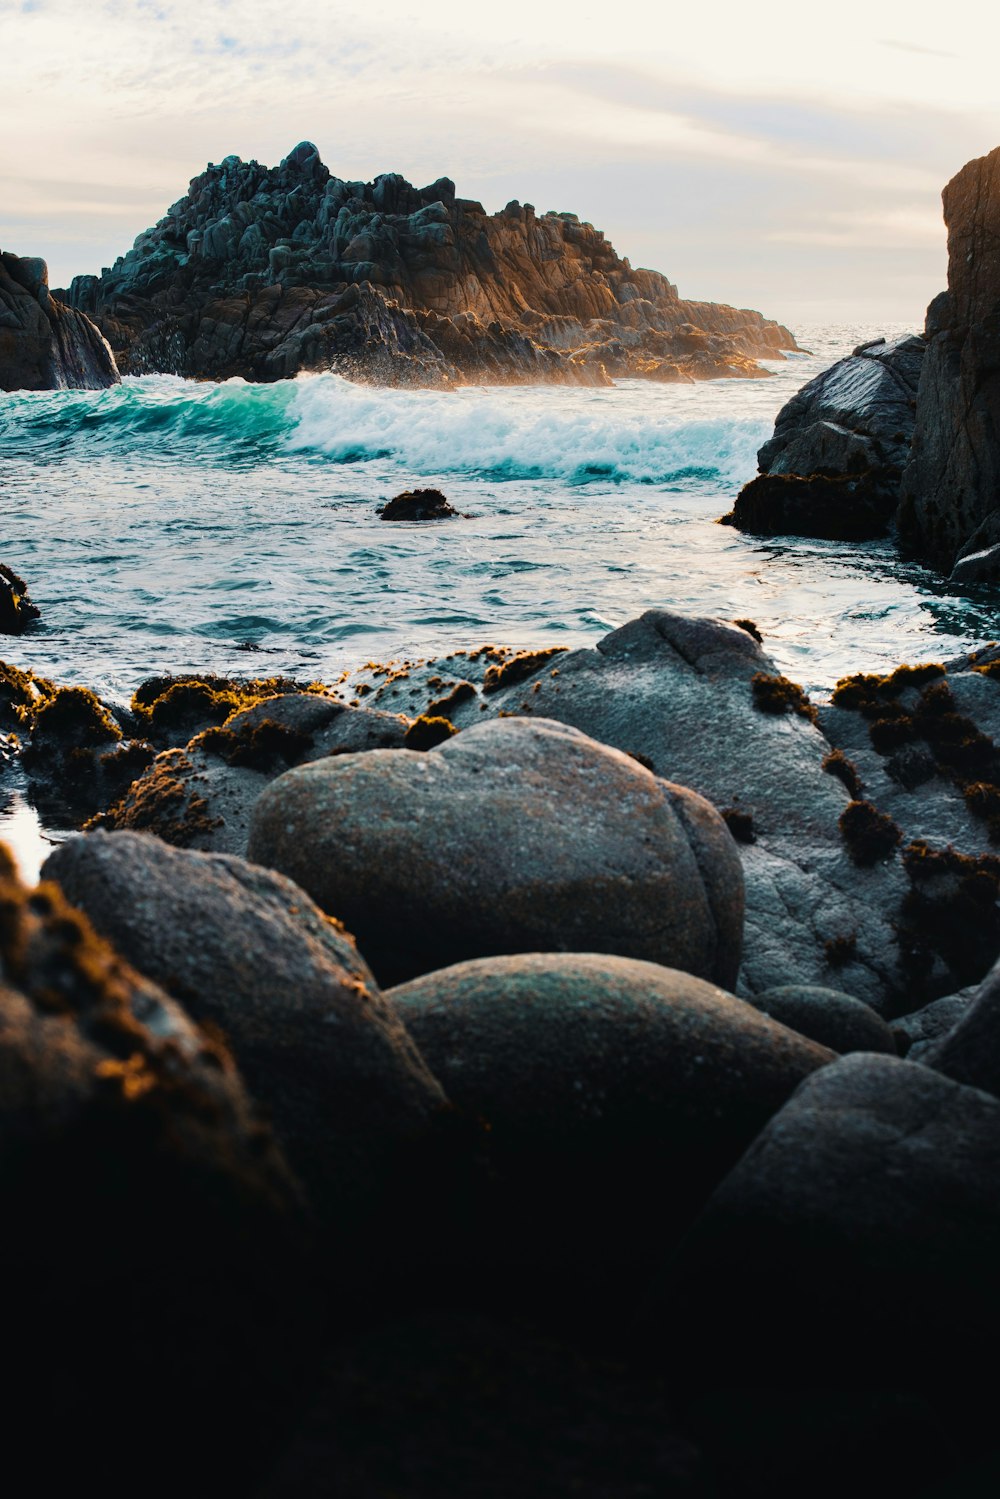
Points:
(558, 1073)
(265, 271)
(905, 435)
(45, 344)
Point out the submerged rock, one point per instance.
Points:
(45, 345)
(950, 512)
(418, 504)
(509, 837)
(150, 1220)
(833, 467)
(17, 611)
(248, 951)
(616, 1094)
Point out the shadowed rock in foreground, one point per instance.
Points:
(45, 345)
(262, 272)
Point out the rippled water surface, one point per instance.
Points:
(168, 525)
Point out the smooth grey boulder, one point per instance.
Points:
(510, 837)
(245, 949)
(616, 1092)
(45, 345)
(868, 1210)
(679, 691)
(828, 1016)
(202, 796)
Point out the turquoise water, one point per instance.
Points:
(168, 525)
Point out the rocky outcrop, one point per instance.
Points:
(950, 512)
(833, 467)
(513, 836)
(17, 611)
(45, 345)
(262, 272)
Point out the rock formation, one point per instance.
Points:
(950, 512)
(45, 345)
(834, 464)
(262, 272)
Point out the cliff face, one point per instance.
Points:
(950, 511)
(263, 272)
(45, 345)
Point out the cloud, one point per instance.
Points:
(921, 51)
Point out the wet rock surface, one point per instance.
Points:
(511, 836)
(44, 344)
(833, 467)
(418, 505)
(262, 272)
(17, 611)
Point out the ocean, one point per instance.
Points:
(174, 526)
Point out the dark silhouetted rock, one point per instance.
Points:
(17, 611)
(969, 1049)
(263, 272)
(833, 467)
(950, 512)
(45, 345)
(868, 1211)
(510, 837)
(828, 1016)
(418, 504)
(616, 1094)
(247, 950)
(150, 1222)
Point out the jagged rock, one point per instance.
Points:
(45, 345)
(922, 1029)
(17, 611)
(598, 1076)
(417, 504)
(969, 1050)
(949, 501)
(150, 1221)
(828, 1016)
(202, 796)
(263, 272)
(509, 837)
(833, 467)
(242, 947)
(867, 1210)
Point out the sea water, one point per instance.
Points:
(174, 526)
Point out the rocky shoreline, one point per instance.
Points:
(601, 1003)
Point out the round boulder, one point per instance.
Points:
(514, 836)
(248, 951)
(616, 1093)
(828, 1016)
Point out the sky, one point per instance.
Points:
(780, 156)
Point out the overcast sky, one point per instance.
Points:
(754, 154)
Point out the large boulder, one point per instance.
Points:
(246, 950)
(152, 1233)
(202, 796)
(969, 1048)
(513, 836)
(833, 465)
(828, 1016)
(616, 1094)
(45, 345)
(702, 704)
(950, 509)
(856, 1243)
